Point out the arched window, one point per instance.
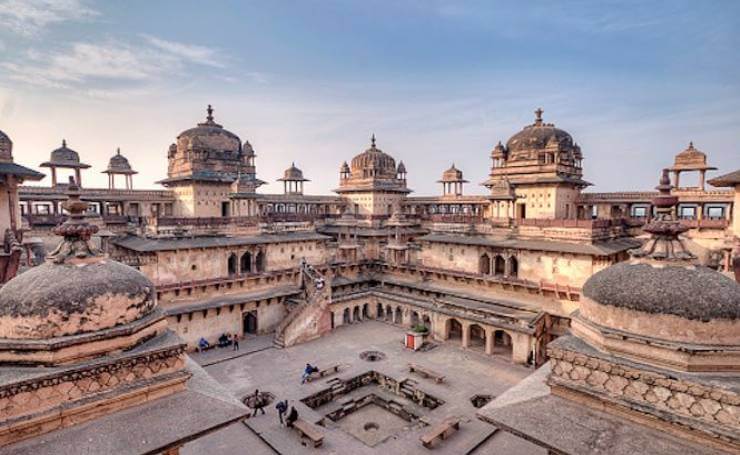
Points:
(246, 262)
(260, 262)
(484, 264)
(499, 265)
(232, 264)
(513, 266)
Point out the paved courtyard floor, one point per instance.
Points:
(371, 429)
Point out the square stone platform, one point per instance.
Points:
(278, 371)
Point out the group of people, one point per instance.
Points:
(259, 401)
(226, 339)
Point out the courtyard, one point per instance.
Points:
(373, 404)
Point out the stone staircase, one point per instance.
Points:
(309, 317)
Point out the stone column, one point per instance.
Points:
(489, 341)
(702, 175)
(465, 334)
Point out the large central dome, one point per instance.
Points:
(374, 159)
(538, 135)
(209, 135)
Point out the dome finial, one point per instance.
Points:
(76, 231)
(118, 151)
(372, 141)
(210, 113)
(64, 142)
(538, 116)
(691, 144)
(664, 244)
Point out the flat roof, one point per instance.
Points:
(529, 411)
(605, 248)
(146, 245)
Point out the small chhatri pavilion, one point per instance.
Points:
(65, 158)
(119, 165)
(690, 160)
(293, 180)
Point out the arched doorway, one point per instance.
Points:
(389, 313)
(477, 338)
(499, 265)
(453, 330)
(414, 318)
(345, 316)
(232, 264)
(249, 322)
(356, 314)
(399, 316)
(484, 264)
(502, 344)
(246, 262)
(365, 311)
(260, 262)
(513, 266)
(379, 312)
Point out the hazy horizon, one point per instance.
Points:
(437, 82)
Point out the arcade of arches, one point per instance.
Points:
(470, 334)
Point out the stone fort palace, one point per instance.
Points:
(538, 272)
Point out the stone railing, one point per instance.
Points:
(453, 218)
(203, 221)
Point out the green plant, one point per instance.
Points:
(420, 328)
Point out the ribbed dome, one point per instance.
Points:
(375, 159)
(209, 135)
(538, 135)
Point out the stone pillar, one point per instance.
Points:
(677, 175)
(53, 176)
(702, 175)
(465, 334)
(489, 341)
(520, 347)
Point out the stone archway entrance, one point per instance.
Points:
(249, 323)
(453, 330)
(398, 316)
(346, 316)
(477, 338)
(502, 344)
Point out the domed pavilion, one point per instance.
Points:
(87, 363)
(214, 167)
(372, 181)
(652, 364)
(543, 165)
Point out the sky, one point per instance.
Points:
(436, 81)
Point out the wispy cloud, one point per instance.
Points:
(29, 17)
(82, 64)
(191, 52)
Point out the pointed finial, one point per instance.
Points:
(118, 150)
(64, 142)
(538, 116)
(691, 144)
(210, 113)
(372, 141)
(292, 164)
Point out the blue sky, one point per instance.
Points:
(436, 81)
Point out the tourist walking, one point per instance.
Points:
(282, 408)
(236, 342)
(259, 403)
